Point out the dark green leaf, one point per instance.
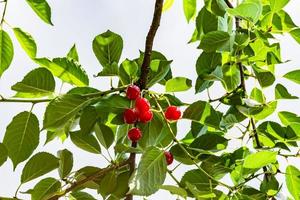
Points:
(216, 40)
(175, 190)
(65, 162)
(265, 78)
(21, 137)
(87, 142)
(108, 184)
(198, 179)
(282, 93)
(114, 103)
(79, 195)
(296, 34)
(104, 134)
(217, 7)
(3, 154)
(150, 174)
(38, 165)
(210, 141)
(45, 189)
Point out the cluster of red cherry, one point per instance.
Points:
(142, 113)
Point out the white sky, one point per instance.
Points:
(77, 21)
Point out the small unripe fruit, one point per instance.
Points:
(134, 134)
(173, 113)
(146, 116)
(130, 116)
(133, 92)
(142, 105)
(169, 157)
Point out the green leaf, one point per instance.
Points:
(269, 185)
(265, 78)
(113, 103)
(87, 142)
(104, 134)
(26, 41)
(66, 69)
(65, 162)
(293, 76)
(199, 179)
(79, 195)
(107, 48)
(231, 77)
(3, 154)
(150, 174)
(204, 113)
(108, 184)
(42, 9)
(45, 189)
(217, 7)
(189, 8)
(200, 194)
(292, 178)
(72, 54)
(296, 34)
(257, 95)
(159, 70)
(288, 118)
(6, 51)
(167, 5)
(260, 159)
(38, 165)
(207, 63)
(277, 5)
(178, 84)
(282, 93)
(248, 9)
(63, 108)
(128, 71)
(21, 137)
(216, 40)
(210, 141)
(37, 83)
(175, 190)
(88, 119)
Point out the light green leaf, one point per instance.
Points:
(292, 178)
(260, 159)
(6, 51)
(282, 93)
(199, 179)
(45, 189)
(37, 83)
(107, 48)
(296, 34)
(150, 174)
(61, 109)
(293, 76)
(104, 134)
(3, 154)
(26, 41)
(178, 84)
(189, 8)
(65, 162)
(231, 77)
(257, 95)
(72, 54)
(87, 142)
(204, 113)
(175, 190)
(38, 165)
(79, 195)
(248, 9)
(42, 9)
(167, 5)
(21, 137)
(277, 5)
(288, 118)
(216, 40)
(66, 69)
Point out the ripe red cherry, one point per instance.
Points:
(169, 157)
(173, 113)
(130, 116)
(142, 105)
(146, 116)
(134, 134)
(133, 92)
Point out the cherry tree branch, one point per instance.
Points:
(142, 82)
